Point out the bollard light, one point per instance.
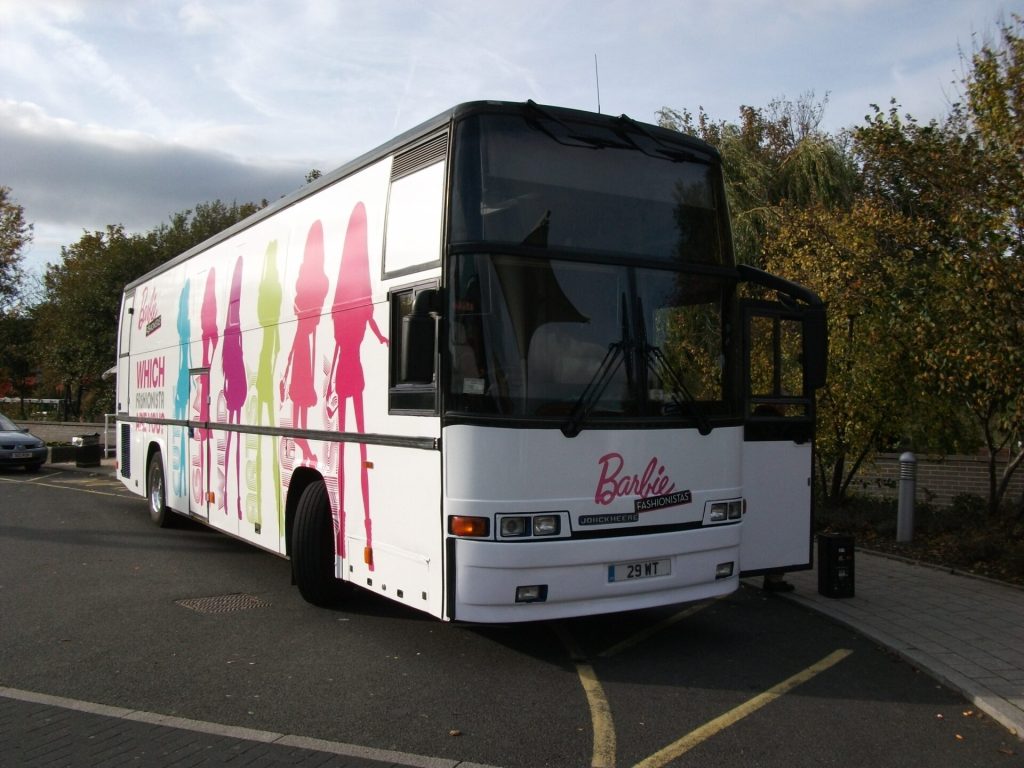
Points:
(908, 488)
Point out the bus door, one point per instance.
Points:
(778, 440)
(124, 394)
(199, 444)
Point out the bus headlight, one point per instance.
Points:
(530, 526)
(547, 525)
(731, 510)
(514, 526)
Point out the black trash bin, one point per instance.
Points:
(88, 450)
(835, 565)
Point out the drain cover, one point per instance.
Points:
(222, 603)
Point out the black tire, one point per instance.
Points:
(156, 493)
(313, 549)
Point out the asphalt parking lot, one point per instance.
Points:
(183, 627)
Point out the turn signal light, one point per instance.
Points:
(460, 525)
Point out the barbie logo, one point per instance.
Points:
(616, 482)
(149, 316)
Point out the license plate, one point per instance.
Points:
(639, 569)
(21, 455)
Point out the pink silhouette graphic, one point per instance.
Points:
(236, 386)
(208, 321)
(310, 293)
(201, 404)
(353, 314)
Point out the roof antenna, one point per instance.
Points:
(597, 81)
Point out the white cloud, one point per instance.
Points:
(122, 94)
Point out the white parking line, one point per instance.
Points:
(234, 732)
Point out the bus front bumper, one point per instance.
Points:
(529, 581)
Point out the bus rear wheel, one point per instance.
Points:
(156, 492)
(313, 548)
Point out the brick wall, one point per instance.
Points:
(939, 478)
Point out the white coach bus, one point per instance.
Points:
(499, 369)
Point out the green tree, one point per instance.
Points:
(776, 160)
(17, 356)
(15, 234)
(796, 200)
(76, 328)
(869, 265)
(76, 324)
(190, 227)
(963, 178)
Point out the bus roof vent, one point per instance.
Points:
(420, 156)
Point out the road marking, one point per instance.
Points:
(733, 716)
(67, 488)
(235, 732)
(603, 755)
(603, 752)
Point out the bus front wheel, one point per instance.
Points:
(313, 548)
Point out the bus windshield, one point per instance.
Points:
(554, 184)
(578, 342)
(570, 286)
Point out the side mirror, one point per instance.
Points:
(815, 348)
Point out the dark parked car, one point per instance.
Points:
(20, 448)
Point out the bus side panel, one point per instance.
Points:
(777, 487)
(269, 335)
(285, 327)
(145, 378)
(392, 534)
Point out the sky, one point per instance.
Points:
(128, 111)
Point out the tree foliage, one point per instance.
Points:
(773, 157)
(866, 264)
(793, 193)
(963, 178)
(15, 234)
(17, 356)
(76, 324)
(914, 235)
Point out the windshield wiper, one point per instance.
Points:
(613, 359)
(659, 365)
(662, 149)
(595, 388)
(565, 134)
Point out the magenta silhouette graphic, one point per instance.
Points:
(310, 292)
(353, 314)
(201, 407)
(235, 384)
(208, 322)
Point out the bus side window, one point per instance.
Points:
(775, 365)
(413, 375)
